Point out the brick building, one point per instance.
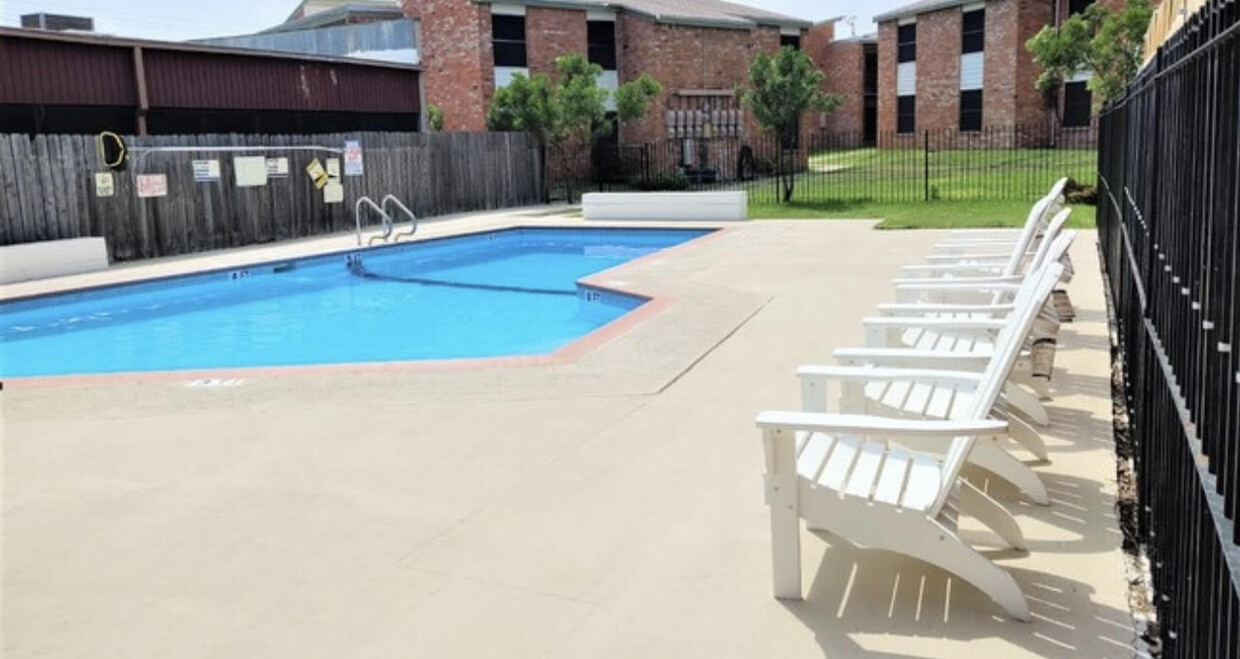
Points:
(961, 65)
(698, 49)
(850, 66)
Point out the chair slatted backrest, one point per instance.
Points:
(1046, 252)
(1032, 296)
(1039, 216)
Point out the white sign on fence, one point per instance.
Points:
(277, 167)
(353, 158)
(333, 167)
(152, 185)
(333, 192)
(250, 171)
(104, 185)
(206, 170)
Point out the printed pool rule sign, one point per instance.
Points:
(152, 185)
(104, 185)
(250, 171)
(333, 167)
(317, 173)
(206, 170)
(277, 167)
(353, 158)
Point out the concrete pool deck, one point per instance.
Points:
(608, 505)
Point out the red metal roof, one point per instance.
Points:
(37, 67)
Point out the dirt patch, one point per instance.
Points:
(1127, 501)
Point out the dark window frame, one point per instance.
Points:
(973, 31)
(1077, 105)
(1078, 6)
(906, 114)
(792, 40)
(506, 49)
(906, 43)
(601, 44)
(971, 108)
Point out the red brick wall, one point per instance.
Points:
(843, 66)
(456, 58)
(1031, 107)
(684, 57)
(552, 33)
(887, 79)
(938, 70)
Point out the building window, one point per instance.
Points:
(601, 43)
(971, 110)
(792, 41)
(906, 48)
(1078, 6)
(906, 114)
(1077, 105)
(508, 40)
(973, 32)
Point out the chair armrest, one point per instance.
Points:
(964, 264)
(904, 322)
(988, 279)
(893, 428)
(918, 308)
(866, 374)
(913, 358)
(957, 285)
(960, 255)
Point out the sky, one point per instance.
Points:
(181, 19)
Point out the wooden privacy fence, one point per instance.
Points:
(49, 189)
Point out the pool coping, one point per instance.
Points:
(571, 352)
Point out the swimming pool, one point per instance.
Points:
(499, 293)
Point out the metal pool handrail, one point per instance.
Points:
(357, 216)
(413, 219)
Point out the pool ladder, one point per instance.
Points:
(382, 209)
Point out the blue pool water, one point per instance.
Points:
(511, 292)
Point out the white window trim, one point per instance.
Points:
(507, 10)
(972, 7)
(789, 31)
(601, 15)
(907, 20)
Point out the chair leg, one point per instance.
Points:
(1026, 436)
(991, 513)
(1027, 403)
(990, 457)
(936, 544)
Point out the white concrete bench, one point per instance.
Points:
(52, 258)
(726, 205)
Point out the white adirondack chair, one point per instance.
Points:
(854, 477)
(943, 316)
(1000, 240)
(895, 394)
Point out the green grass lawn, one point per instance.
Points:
(900, 175)
(918, 215)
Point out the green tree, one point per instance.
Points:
(434, 117)
(1102, 41)
(567, 113)
(781, 89)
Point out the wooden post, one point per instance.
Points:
(139, 78)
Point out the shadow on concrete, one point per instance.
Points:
(875, 604)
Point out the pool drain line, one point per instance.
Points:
(360, 271)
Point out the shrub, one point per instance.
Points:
(674, 183)
(1078, 193)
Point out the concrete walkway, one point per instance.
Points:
(607, 507)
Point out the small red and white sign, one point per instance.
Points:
(152, 185)
(353, 165)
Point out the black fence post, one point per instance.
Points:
(926, 164)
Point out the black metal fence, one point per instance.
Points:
(1168, 213)
(996, 163)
